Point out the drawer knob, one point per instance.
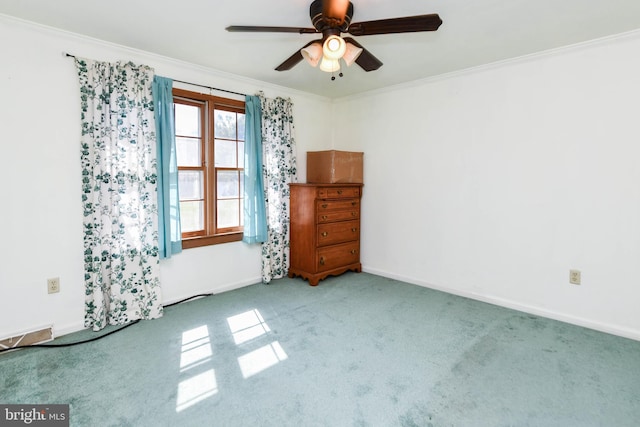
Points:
(354, 229)
(325, 234)
(354, 203)
(353, 251)
(324, 206)
(321, 260)
(324, 217)
(353, 214)
(339, 191)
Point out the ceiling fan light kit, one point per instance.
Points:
(312, 54)
(334, 47)
(351, 54)
(329, 65)
(315, 53)
(333, 17)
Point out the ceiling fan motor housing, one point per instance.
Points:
(322, 23)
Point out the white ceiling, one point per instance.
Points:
(473, 33)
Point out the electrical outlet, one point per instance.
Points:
(574, 277)
(53, 285)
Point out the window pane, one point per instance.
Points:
(225, 152)
(190, 185)
(241, 126)
(228, 213)
(228, 184)
(187, 120)
(241, 154)
(191, 216)
(188, 151)
(225, 124)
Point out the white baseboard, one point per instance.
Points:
(68, 329)
(218, 290)
(526, 308)
(75, 327)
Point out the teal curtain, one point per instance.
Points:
(119, 188)
(255, 221)
(169, 232)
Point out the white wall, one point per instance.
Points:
(490, 183)
(40, 168)
(494, 182)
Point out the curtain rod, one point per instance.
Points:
(189, 83)
(210, 88)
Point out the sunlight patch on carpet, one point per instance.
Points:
(261, 359)
(247, 326)
(196, 389)
(196, 348)
(196, 351)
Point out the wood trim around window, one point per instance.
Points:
(227, 236)
(196, 242)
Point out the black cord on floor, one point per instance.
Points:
(187, 299)
(2, 350)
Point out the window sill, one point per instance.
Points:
(196, 242)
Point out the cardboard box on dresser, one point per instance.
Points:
(334, 167)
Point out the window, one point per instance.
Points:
(210, 153)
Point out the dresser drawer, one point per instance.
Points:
(338, 192)
(338, 232)
(337, 256)
(323, 206)
(324, 230)
(332, 216)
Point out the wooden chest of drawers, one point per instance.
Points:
(325, 230)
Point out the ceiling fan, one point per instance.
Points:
(332, 18)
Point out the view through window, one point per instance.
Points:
(210, 134)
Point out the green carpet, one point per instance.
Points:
(357, 350)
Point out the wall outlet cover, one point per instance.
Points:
(574, 277)
(53, 285)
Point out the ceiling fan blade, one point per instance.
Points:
(258, 29)
(408, 24)
(366, 60)
(294, 59)
(334, 11)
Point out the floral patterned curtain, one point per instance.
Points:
(119, 196)
(279, 166)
